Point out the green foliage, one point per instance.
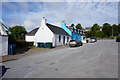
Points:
(112, 37)
(118, 28)
(72, 25)
(17, 33)
(107, 29)
(94, 31)
(115, 30)
(89, 34)
(95, 28)
(78, 26)
(99, 34)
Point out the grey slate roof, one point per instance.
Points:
(54, 29)
(32, 33)
(57, 30)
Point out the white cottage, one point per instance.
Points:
(48, 33)
(3, 40)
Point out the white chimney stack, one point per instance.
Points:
(43, 21)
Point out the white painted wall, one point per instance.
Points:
(30, 38)
(3, 45)
(44, 34)
(57, 43)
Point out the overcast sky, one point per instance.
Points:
(29, 14)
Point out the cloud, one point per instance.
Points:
(60, 0)
(119, 12)
(28, 23)
(29, 14)
(57, 24)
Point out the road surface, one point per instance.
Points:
(92, 60)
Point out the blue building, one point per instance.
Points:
(73, 32)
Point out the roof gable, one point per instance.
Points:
(32, 33)
(57, 30)
(3, 29)
(54, 29)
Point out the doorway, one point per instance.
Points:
(63, 40)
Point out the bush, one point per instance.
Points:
(112, 37)
(99, 34)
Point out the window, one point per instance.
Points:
(59, 38)
(67, 39)
(64, 40)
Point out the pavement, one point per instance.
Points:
(32, 51)
(92, 60)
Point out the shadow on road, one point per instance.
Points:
(3, 69)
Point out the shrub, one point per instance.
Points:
(112, 37)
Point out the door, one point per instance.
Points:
(63, 40)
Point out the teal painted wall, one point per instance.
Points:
(74, 36)
(63, 25)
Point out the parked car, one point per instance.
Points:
(119, 34)
(94, 39)
(118, 39)
(74, 43)
(88, 40)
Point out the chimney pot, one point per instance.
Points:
(43, 21)
(63, 21)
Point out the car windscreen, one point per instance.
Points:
(118, 38)
(72, 40)
(92, 38)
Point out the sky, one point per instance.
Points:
(29, 14)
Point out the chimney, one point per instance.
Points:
(63, 21)
(43, 21)
(63, 24)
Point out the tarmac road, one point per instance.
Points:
(92, 60)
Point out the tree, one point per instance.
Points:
(89, 34)
(95, 27)
(99, 34)
(118, 28)
(78, 26)
(17, 33)
(107, 29)
(72, 25)
(115, 30)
